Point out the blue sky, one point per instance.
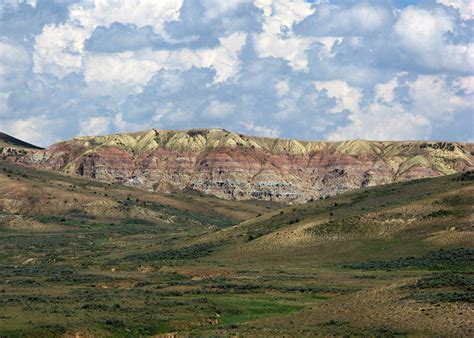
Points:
(322, 69)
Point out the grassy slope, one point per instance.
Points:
(40, 193)
(10, 141)
(85, 256)
(365, 240)
(381, 222)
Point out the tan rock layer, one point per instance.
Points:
(235, 166)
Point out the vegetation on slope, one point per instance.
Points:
(88, 257)
(10, 141)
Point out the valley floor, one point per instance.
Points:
(86, 258)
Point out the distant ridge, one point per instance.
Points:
(10, 141)
(235, 166)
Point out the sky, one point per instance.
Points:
(311, 70)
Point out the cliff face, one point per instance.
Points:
(235, 166)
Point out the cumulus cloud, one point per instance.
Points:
(140, 13)
(347, 97)
(14, 64)
(217, 8)
(67, 54)
(432, 96)
(291, 96)
(465, 7)
(120, 124)
(385, 92)
(137, 68)
(431, 100)
(423, 33)
(466, 84)
(59, 49)
(277, 39)
(282, 87)
(292, 68)
(15, 3)
(219, 110)
(98, 125)
(336, 19)
(260, 130)
(383, 122)
(171, 113)
(4, 108)
(31, 129)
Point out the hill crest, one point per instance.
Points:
(235, 166)
(10, 141)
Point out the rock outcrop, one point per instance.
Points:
(235, 166)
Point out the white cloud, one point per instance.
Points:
(347, 47)
(140, 13)
(161, 111)
(33, 130)
(219, 110)
(433, 97)
(14, 64)
(359, 19)
(260, 130)
(384, 122)
(218, 8)
(465, 7)
(171, 82)
(123, 68)
(291, 49)
(385, 92)
(282, 88)
(170, 113)
(466, 84)
(16, 3)
(432, 100)
(422, 32)
(224, 59)
(292, 99)
(423, 29)
(327, 43)
(277, 39)
(98, 125)
(364, 17)
(286, 13)
(321, 124)
(179, 115)
(122, 125)
(4, 109)
(59, 49)
(347, 97)
(137, 68)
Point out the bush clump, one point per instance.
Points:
(452, 259)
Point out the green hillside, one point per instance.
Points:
(90, 258)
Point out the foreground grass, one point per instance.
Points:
(115, 261)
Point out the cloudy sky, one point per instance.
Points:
(321, 69)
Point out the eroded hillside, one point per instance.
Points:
(235, 166)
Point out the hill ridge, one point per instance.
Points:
(10, 141)
(201, 139)
(235, 166)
